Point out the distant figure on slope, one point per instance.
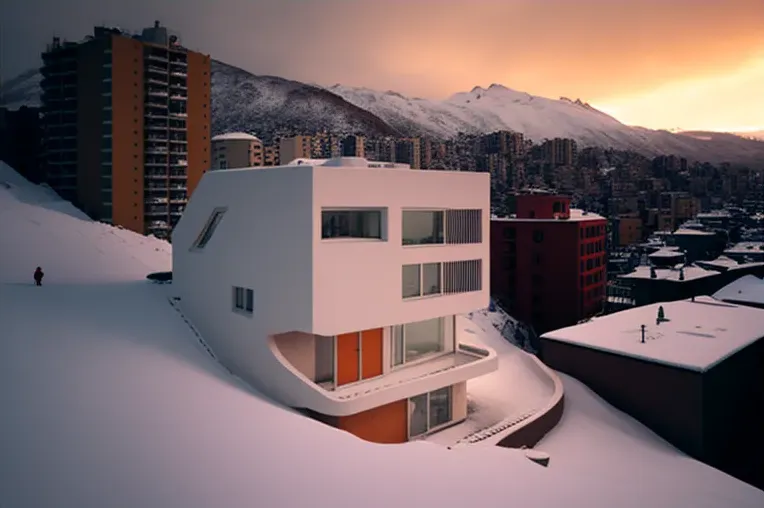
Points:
(38, 275)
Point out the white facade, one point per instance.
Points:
(269, 240)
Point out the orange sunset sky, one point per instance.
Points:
(691, 64)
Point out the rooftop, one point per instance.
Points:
(691, 272)
(235, 135)
(347, 162)
(666, 253)
(696, 232)
(745, 247)
(576, 215)
(747, 289)
(695, 336)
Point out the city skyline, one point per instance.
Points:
(686, 65)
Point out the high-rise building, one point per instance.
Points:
(295, 147)
(236, 150)
(126, 125)
(548, 262)
(353, 146)
(408, 151)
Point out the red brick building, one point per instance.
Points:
(548, 262)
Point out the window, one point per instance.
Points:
(223, 164)
(324, 359)
(423, 227)
(429, 411)
(209, 228)
(413, 341)
(243, 299)
(422, 280)
(351, 224)
(538, 236)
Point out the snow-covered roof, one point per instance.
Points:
(228, 136)
(698, 334)
(347, 162)
(747, 289)
(745, 248)
(576, 215)
(689, 232)
(666, 253)
(690, 272)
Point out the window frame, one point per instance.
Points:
(443, 225)
(430, 428)
(421, 270)
(448, 342)
(210, 226)
(382, 214)
(243, 300)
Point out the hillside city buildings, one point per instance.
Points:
(352, 316)
(126, 125)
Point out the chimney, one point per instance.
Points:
(156, 24)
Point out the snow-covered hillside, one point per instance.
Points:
(267, 105)
(108, 400)
(483, 110)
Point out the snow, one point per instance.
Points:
(498, 401)
(235, 136)
(692, 232)
(592, 433)
(747, 289)
(691, 272)
(499, 108)
(576, 215)
(109, 400)
(666, 253)
(697, 335)
(745, 248)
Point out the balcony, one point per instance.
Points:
(155, 126)
(320, 381)
(155, 175)
(156, 69)
(178, 175)
(157, 92)
(179, 114)
(179, 163)
(154, 81)
(178, 74)
(151, 56)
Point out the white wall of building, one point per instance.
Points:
(269, 240)
(358, 282)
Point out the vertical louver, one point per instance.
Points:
(462, 276)
(464, 226)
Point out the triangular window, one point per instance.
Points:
(209, 228)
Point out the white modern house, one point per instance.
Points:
(333, 286)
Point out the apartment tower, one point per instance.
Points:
(126, 125)
(237, 150)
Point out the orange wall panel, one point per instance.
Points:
(127, 133)
(386, 424)
(199, 118)
(371, 353)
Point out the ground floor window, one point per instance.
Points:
(429, 411)
(416, 340)
(243, 299)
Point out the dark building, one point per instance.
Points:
(692, 371)
(548, 262)
(650, 284)
(20, 141)
(126, 125)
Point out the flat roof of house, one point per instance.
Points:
(666, 253)
(576, 215)
(745, 248)
(692, 232)
(696, 336)
(746, 289)
(235, 135)
(691, 272)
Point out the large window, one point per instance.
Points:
(413, 341)
(243, 300)
(423, 227)
(429, 411)
(351, 224)
(324, 359)
(453, 226)
(422, 280)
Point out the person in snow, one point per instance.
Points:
(38, 275)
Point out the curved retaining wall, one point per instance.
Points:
(531, 430)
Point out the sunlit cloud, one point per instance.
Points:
(730, 102)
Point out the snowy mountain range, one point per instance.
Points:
(268, 105)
